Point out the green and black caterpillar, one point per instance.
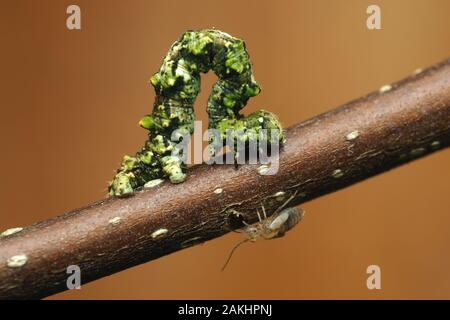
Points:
(177, 84)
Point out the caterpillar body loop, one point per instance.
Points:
(177, 84)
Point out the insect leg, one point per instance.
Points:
(264, 211)
(259, 216)
(287, 201)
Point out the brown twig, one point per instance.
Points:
(365, 137)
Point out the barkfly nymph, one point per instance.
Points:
(275, 226)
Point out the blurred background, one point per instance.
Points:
(71, 100)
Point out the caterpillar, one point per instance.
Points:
(177, 85)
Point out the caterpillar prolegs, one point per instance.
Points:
(177, 84)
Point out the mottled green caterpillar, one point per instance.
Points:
(177, 84)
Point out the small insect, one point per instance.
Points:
(275, 226)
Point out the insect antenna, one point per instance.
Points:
(286, 203)
(232, 251)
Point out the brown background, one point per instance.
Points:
(71, 100)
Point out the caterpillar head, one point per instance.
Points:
(121, 185)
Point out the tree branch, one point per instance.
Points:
(365, 137)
